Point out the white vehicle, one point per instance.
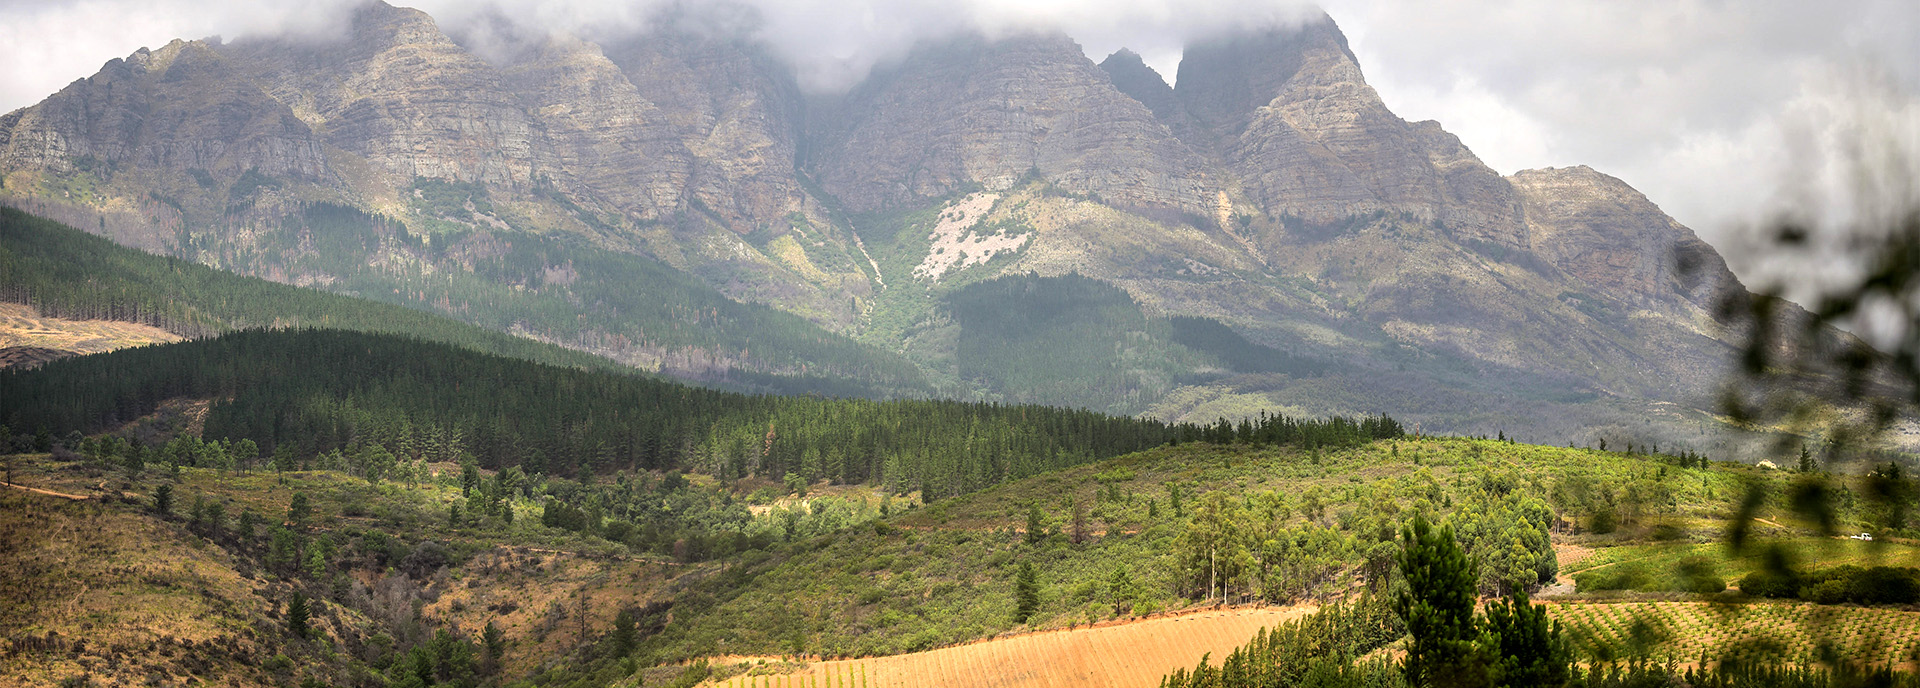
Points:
(1862, 537)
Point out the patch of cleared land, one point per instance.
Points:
(1135, 653)
(23, 326)
(956, 246)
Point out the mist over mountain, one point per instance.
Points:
(505, 177)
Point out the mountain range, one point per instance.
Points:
(985, 218)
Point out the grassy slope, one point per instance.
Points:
(65, 270)
(944, 574)
(111, 563)
(21, 325)
(933, 576)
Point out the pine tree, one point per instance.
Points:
(297, 615)
(1036, 525)
(493, 642)
(163, 500)
(1438, 607)
(1026, 592)
(297, 510)
(623, 633)
(1531, 651)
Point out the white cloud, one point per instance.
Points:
(1691, 101)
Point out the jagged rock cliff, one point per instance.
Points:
(1604, 233)
(1290, 113)
(401, 94)
(973, 114)
(1269, 188)
(180, 107)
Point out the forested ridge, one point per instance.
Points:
(67, 273)
(1054, 340)
(632, 307)
(315, 391)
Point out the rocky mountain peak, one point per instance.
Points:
(1609, 235)
(1223, 80)
(380, 25)
(401, 93)
(974, 112)
(1133, 77)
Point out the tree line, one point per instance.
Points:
(67, 273)
(310, 393)
(1455, 641)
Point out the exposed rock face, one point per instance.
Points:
(1598, 229)
(402, 94)
(600, 135)
(1290, 113)
(734, 119)
(978, 113)
(1133, 77)
(1271, 188)
(180, 107)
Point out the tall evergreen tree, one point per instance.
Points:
(298, 614)
(1036, 525)
(1438, 607)
(1530, 650)
(1026, 592)
(298, 510)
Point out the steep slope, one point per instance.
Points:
(59, 271)
(66, 273)
(508, 198)
(973, 114)
(1604, 233)
(613, 197)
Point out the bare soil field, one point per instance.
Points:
(23, 326)
(1135, 653)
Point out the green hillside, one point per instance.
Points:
(307, 393)
(592, 572)
(68, 273)
(1068, 339)
(690, 329)
(1271, 523)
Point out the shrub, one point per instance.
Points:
(1770, 584)
(1616, 577)
(1604, 521)
(1696, 575)
(1885, 585)
(279, 664)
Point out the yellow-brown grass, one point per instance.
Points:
(534, 597)
(126, 599)
(1137, 653)
(23, 325)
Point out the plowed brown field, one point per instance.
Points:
(1128, 654)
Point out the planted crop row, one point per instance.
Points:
(1689, 630)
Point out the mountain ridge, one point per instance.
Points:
(1269, 188)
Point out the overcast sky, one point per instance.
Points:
(1715, 110)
